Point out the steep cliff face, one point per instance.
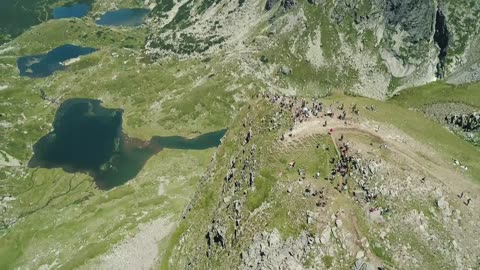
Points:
(371, 47)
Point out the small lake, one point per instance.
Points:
(124, 17)
(88, 138)
(73, 11)
(18, 16)
(203, 141)
(43, 65)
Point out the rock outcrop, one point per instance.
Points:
(416, 17)
(269, 250)
(467, 122)
(269, 4)
(381, 46)
(287, 4)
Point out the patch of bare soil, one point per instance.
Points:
(139, 251)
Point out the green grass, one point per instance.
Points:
(431, 256)
(291, 51)
(182, 17)
(263, 185)
(288, 215)
(169, 98)
(267, 199)
(330, 39)
(328, 261)
(381, 253)
(16, 17)
(207, 198)
(54, 33)
(439, 92)
(426, 131)
(86, 216)
(100, 220)
(433, 134)
(394, 84)
(163, 6)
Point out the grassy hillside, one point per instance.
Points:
(439, 93)
(51, 218)
(184, 98)
(277, 201)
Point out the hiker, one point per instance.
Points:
(248, 136)
(43, 95)
(346, 146)
(355, 109)
(291, 164)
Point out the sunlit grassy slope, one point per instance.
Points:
(62, 217)
(281, 210)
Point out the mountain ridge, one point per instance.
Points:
(387, 45)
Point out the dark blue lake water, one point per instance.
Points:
(73, 11)
(87, 137)
(124, 17)
(203, 141)
(43, 65)
(16, 16)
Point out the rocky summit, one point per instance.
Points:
(246, 134)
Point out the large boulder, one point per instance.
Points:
(287, 4)
(269, 4)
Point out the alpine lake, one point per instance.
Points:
(88, 138)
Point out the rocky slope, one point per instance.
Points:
(322, 184)
(380, 46)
